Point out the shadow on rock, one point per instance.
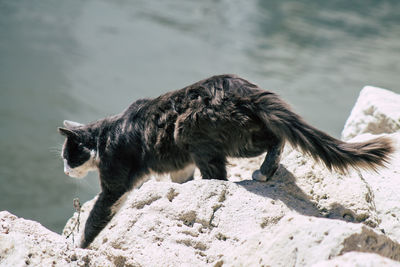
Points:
(282, 186)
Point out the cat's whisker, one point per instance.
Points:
(56, 149)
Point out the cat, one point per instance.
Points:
(201, 124)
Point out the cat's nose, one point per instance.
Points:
(66, 172)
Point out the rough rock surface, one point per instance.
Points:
(304, 216)
(25, 242)
(376, 111)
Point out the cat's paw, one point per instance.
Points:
(258, 176)
(83, 243)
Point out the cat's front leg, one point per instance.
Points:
(102, 212)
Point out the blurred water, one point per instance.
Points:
(85, 59)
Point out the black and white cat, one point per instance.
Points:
(201, 124)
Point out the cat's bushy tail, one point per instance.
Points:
(334, 153)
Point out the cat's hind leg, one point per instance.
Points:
(184, 175)
(270, 164)
(212, 166)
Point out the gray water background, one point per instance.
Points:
(83, 60)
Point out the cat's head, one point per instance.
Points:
(78, 152)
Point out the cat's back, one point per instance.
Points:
(207, 93)
(222, 85)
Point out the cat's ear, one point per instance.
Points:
(67, 132)
(72, 124)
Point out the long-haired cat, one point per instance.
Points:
(201, 124)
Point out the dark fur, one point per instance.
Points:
(204, 123)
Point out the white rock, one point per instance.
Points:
(303, 241)
(376, 111)
(385, 190)
(25, 242)
(243, 224)
(332, 194)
